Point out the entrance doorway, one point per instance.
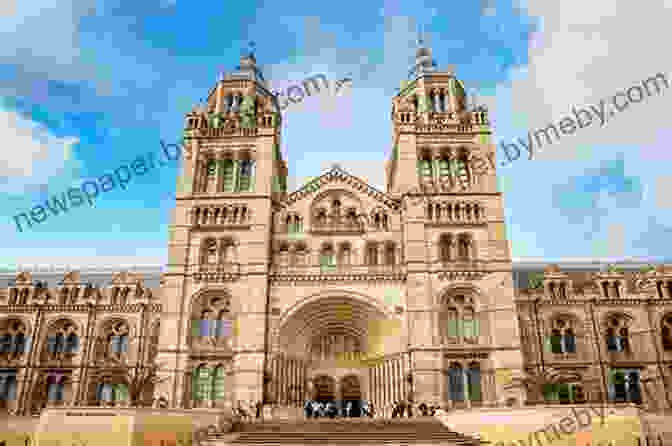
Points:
(324, 388)
(351, 393)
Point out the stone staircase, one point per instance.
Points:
(352, 431)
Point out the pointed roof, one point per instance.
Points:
(337, 174)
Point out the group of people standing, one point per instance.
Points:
(401, 407)
(315, 409)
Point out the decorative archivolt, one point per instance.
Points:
(616, 319)
(210, 298)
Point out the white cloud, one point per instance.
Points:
(33, 155)
(662, 190)
(586, 52)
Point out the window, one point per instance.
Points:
(5, 343)
(456, 382)
(202, 380)
(245, 181)
(55, 388)
(617, 335)
(562, 338)
(390, 254)
(624, 386)
(666, 333)
(445, 247)
(556, 341)
(228, 175)
(212, 168)
(569, 341)
(72, 343)
(327, 258)
(563, 393)
(444, 168)
(372, 254)
(110, 392)
(463, 247)
(474, 382)
(7, 386)
(425, 168)
(219, 384)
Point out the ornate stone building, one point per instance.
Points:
(338, 291)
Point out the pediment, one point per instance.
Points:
(344, 181)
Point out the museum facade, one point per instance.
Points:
(339, 291)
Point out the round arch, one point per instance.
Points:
(326, 310)
(195, 298)
(461, 288)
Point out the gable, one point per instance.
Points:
(348, 183)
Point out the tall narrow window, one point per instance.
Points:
(444, 168)
(219, 384)
(228, 175)
(556, 341)
(202, 383)
(372, 254)
(613, 344)
(246, 177)
(425, 168)
(666, 333)
(474, 382)
(456, 382)
(445, 247)
(569, 341)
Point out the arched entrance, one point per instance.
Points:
(351, 393)
(324, 388)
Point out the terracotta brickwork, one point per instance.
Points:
(338, 290)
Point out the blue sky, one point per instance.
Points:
(102, 82)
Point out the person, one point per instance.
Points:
(409, 408)
(423, 409)
(395, 409)
(258, 407)
(308, 408)
(372, 410)
(348, 408)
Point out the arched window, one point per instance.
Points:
(463, 247)
(5, 343)
(210, 252)
(617, 335)
(569, 341)
(8, 386)
(372, 254)
(613, 344)
(425, 168)
(202, 383)
(556, 341)
(456, 382)
(327, 257)
(346, 254)
(666, 332)
(245, 181)
(219, 384)
(55, 388)
(445, 247)
(624, 386)
(390, 254)
(228, 175)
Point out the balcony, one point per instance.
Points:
(222, 272)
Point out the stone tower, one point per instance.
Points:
(219, 237)
(457, 257)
